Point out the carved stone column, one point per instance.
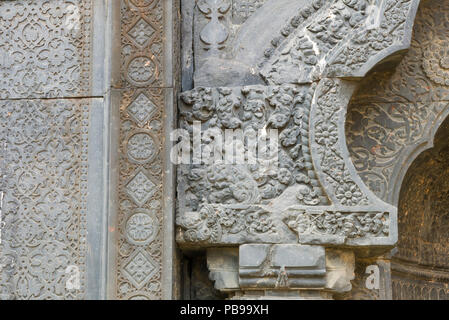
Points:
(298, 225)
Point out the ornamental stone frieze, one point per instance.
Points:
(294, 78)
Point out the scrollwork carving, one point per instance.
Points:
(395, 113)
(329, 108)
(343, 225)
(211, 223)
(284, 108)
(45, 204)
(45, 48)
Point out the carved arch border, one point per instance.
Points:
(414, 152)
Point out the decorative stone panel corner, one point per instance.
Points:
(297, 79)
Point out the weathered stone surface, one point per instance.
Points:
(141, 264)
(223, 265)
(306, 41)
(48, 153)
(45, 49)
(285, 266)
(314, 191)
(292, 77)
(394, 116)
(311, 120)
(372, 281)
(340, 266)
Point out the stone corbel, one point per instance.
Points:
(281, 270)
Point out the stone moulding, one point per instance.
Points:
(324, 202)
(420, 95)
(232, 225)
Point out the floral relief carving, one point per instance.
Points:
(386, 120)
(142, 123)
(339, 224)
(45, 205)
(370, 41)
(142, 30)
(140, 268)
(334, 38)
(211, 223)
(140, 217)
(141, 188)
(45, 48)
(332, 161)
(284, 108)
(142, 227)
(141, 109)
(141, 70)
(311, 37)
(141, 147)
(209, 192)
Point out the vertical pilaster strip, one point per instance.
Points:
(142, 228)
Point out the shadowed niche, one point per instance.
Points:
(421, 264)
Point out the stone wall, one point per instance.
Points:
(53, 114)
(87, 101)
(93, 207)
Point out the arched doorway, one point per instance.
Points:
(420, 267)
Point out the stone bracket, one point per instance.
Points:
(280, 268)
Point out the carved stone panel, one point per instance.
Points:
(288, 78)
(45, 209)
(45, 48)
(142, 262)
(312, 195)
(140, 242)
(142, 45)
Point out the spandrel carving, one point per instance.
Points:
(311, 195)
(393, 115)
(249, 111)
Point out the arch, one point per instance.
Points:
(404, 108)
